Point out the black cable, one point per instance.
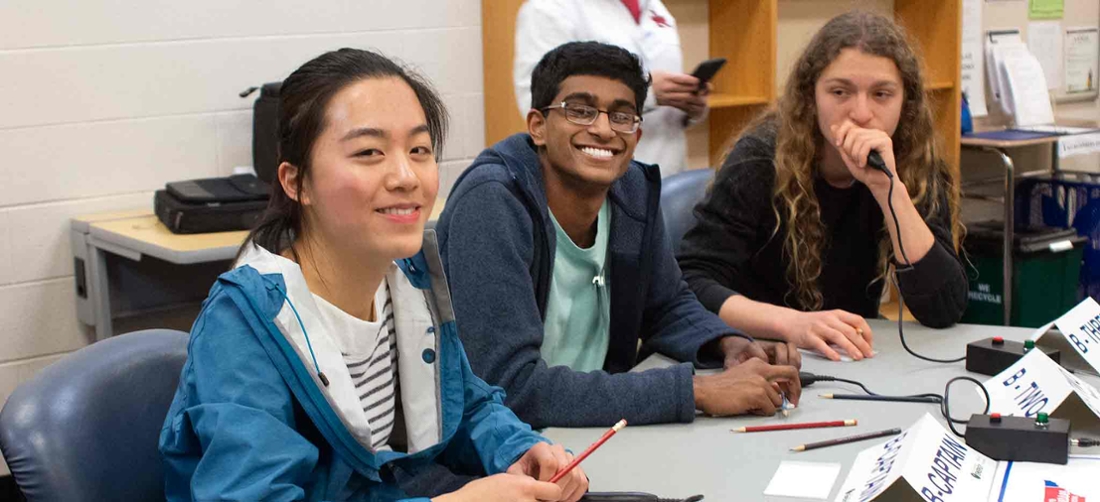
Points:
(897, 282)
(853, 382)
(806, 378)
(809, 379)
(1084, 442)
(945, 405)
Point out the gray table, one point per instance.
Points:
(704, 457)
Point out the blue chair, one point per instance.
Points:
(86, 427)
(679, 195)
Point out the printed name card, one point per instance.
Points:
(1037, 384)
(927, 462)
(1078, 336)
(924, 462)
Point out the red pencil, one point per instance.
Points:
(787, 427)
(607, 435)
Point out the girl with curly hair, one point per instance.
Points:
(795, 239)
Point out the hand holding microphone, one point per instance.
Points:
(864, 151)
(875, 160)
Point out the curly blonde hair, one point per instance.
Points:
(798, 140)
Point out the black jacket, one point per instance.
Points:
(734, 248)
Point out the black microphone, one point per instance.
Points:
(875, 160)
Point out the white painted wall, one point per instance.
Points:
(103, 101)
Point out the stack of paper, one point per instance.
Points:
(1017, 82)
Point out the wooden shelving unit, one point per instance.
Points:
(498, 48)
(744, 32)
(936, 26)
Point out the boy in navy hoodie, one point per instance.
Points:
(559, 263)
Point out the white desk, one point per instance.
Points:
(704, 457)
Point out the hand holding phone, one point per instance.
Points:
(706, 71)
(683, 91)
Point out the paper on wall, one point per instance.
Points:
(1082, 46)
(1044, 41)
(1046, 9)
(973, 59)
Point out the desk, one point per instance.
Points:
(128, 263)
(704, 457)
(998, 148)
(162, 270)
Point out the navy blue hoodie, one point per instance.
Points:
(498, 245)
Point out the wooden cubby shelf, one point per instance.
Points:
(744, 32)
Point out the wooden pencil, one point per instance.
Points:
(804, 425)
(846, 440)
(603, 439)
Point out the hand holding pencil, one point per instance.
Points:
(532, 478)
(588, 451)
(543, 461)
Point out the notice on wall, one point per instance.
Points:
(1082, 51)
(1044, 40)
(973, 59)
(1046, 9)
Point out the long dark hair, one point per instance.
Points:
(303, 98)
(798, 138)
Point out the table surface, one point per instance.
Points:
(146, 234)
(1002, 143)
(994, 143)
(704, 457)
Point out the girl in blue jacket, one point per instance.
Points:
(328, 357)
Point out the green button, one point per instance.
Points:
(1042, 418)
(1029, 344)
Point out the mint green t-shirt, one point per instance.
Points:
(578, 310)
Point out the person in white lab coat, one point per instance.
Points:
(643, 27)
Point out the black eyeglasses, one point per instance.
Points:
(624, 122)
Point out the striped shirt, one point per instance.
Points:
(370, 352)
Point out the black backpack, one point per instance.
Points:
(235, 202)
(212, 204)
(265, 132)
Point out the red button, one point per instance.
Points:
(995, 418)
(998, 340)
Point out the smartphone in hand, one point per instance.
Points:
(706, 71)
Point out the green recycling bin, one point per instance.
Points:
(1046, 272)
